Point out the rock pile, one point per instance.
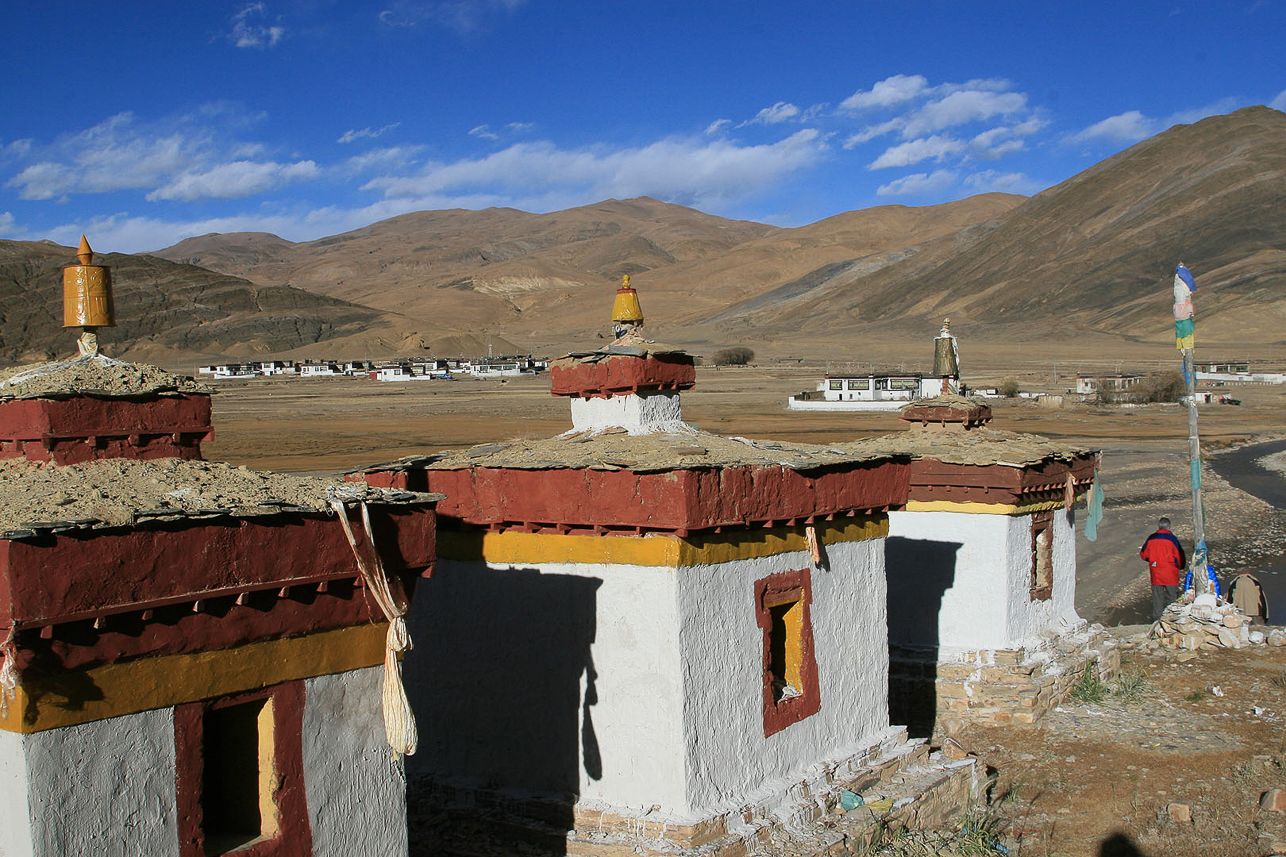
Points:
(1208, 623)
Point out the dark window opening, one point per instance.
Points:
(785, 649)
(236, 770)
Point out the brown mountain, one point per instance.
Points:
(173, 313)
(1093, 254)
(477, 269)
(534, 276)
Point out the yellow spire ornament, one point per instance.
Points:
(627, 314)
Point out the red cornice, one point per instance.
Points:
(86, 428)
(677, 501)
(619, 374)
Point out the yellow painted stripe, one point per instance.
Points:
(655, 549)
(80, 696)
(982, 508)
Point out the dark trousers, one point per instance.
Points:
(1162, 596)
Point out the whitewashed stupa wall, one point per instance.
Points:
(729, 757)
(564, 678)
(15, 813)
(972, 571)
(106, 787)
(637, 413)
(354, 784)
(638, 686)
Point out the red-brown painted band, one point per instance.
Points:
(996, 483)
(58, 577)
(221, 623)
(621, 373)
(87, 428)
(677, 501)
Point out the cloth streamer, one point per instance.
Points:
(399, 720)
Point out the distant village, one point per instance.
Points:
(412, 369)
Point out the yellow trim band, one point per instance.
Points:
(656, 549)
(80, 696)
(983, 508)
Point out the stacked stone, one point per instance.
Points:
(1207, 623)
(1020, 685)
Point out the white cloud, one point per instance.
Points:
(520, 127)
(991, 181)
(184, 159)
(871, 132)
(685, 170)
(918, 183)
(365, 133)
(1279, 103)
(906, 154)
(892, 90)
(250, 31)
(778, 113)
(392, 157)
(8, 224)
(463, 16)
(1128, 127)
(484, 132)
(113, 155)
(717, 126)
(232, 180)
(961, 108)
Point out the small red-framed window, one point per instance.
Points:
(1042, 556)
(240, 777)
(783, 612)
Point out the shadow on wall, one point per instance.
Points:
(919, 571)
(495, 681)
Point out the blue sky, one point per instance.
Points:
(142, 123)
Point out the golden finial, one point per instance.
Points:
(627, 314)
(87, 298)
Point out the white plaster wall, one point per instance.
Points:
(355, 785)
(562, 679)
(104, 788)
(987, 604)
(1027, 619)
(15, 816)
(722, 650)
(637, 413)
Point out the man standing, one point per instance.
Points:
(1165, 559)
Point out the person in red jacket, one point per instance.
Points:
(1165, 558)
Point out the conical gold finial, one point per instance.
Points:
(87, 298)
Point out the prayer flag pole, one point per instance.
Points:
(1184, 333)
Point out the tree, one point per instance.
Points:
(738, 355)
(1008, 388)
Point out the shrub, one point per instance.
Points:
(736, 356)
(1160, 387)
(1008, 388)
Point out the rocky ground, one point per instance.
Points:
(1172, 760)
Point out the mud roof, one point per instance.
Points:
(37, 497)
(95, 376)
(980, 446)
(648, 453)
